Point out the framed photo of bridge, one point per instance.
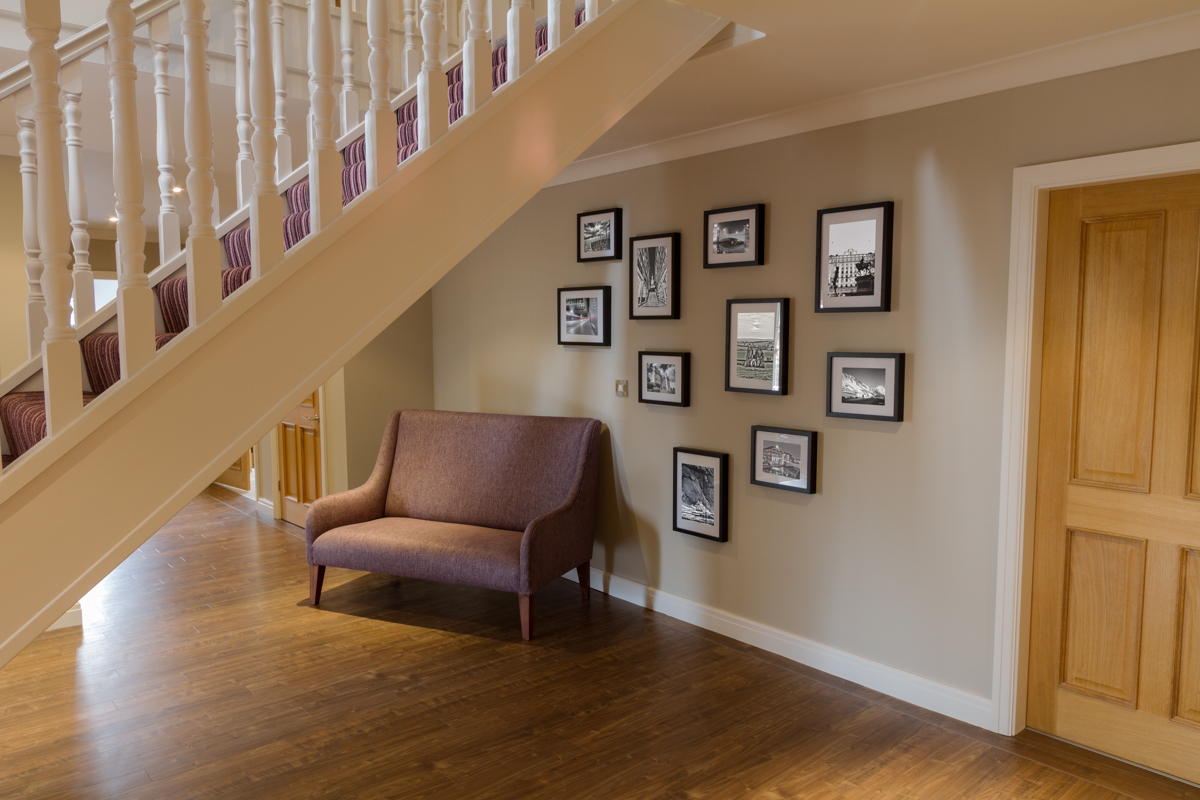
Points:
(665, 378)
(784, 459)
(756, 345)
(598, 236)
(865, 386)
(734, 237)
(585, 316)
(654, 276)
(854, 258)
(701, 491)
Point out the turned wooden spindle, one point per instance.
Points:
(412, 54)
(595, 8)
(521, 49)
(81, 272)
(324, 161)
(477, 58)
(168, 216)
(266, 206)
(560, 22)
(443, 34)
(433, 108)
(283, 140)
(241, 64)
(381, 121)
(35, 301)
(349, 95)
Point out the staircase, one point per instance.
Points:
(264, 325)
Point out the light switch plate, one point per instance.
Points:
(622, 388)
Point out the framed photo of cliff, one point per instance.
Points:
(865, 386)
(654, 276)
(701, 490)
(598, 235)
(784, 459)
(734, 237)
(854, 258)
(756, 345)
(665, 378)
(585, 316)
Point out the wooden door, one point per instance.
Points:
(1115, 638)
(238, 475)
(300, 460)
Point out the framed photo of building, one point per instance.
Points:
(585, 316)
(733, 237)
(854, 258)
(654, 276)
(701, 491)
(598, 236)
(756, 345)
(664, 378)
(784, 459)
(865, 386)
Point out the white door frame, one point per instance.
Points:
(1022, 395)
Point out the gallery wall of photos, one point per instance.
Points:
(852, 273)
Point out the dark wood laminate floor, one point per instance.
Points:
(202, 672)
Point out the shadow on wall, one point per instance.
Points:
(617, 527)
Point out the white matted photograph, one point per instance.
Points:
(865, 386)
(584, 316)
(734, 237)
(701, 490)
(784, 458)
(664, 378)
(598, 235)
(854, 258)
(654, 276)
(756, 345)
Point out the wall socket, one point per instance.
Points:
(622, 388)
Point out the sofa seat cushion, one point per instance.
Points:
(417, 548)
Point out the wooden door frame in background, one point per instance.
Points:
(1022, 396)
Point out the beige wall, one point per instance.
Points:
(894, 558)
(12, 276)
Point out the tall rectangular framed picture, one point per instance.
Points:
(854, 258)
(598, 235)
(734, 237)
(665, 378)
(701, 491)
(654, 276)
(756, 345)
(784, 459)
(865, 386)
(585, 316)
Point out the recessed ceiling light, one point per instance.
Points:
(177, 189)
(112, 219)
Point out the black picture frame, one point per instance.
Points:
(614, 218)
(718, 529)
(671, 309)
(603, 337)
(880, 298)
(755, 237)
(780, 354)
(683, 377)
(893, 412)
(773, 436)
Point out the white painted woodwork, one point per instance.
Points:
(203, 249)
(168, 216)
(81, 272)
(35, 302)
(433, 109)
(521, 49)
(266, 206)
(412, 38)
(443, 34)
(381, 120)
(324, 161)
(595, 8)
(560, 22)
(477, 58)
(61, 368)
(349, 96)
(241, 64)
(283, 140)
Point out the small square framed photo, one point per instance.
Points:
(598, 236)
(854, 258)
(665, 378)
(865, 386)
(733, 237)
(654, 276)
(756, 345)
(585, 316)
(784, 459)
(701, 489)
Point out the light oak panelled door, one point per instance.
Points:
(1115, 644)
(300, 460)
(238, 474)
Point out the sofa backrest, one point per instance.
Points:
(492, 470)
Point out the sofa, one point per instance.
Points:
(489, 500)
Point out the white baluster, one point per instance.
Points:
(283, 140)
(203, 249)
(35, 301)
(381, 120)
(241, 62)
(477, 59)
(443, 34)
(560, 22)
(521, 49)
(412, 56)
(433, 108)
(266, 206)
(61, 372)
(595, 8)
(85, 293)
(168, 217)
(350, 116)
(324, 161)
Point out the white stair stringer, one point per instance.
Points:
(80, 502)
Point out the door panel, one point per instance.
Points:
(238, 474)
(300, 460)
(1187, 698)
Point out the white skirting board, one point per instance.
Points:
(943, 699)
(72, 619)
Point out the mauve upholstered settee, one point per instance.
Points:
(490, 500)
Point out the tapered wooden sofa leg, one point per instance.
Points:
(316, 576)
(526, 601)
(584, 571)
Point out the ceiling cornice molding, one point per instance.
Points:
(1126, 46)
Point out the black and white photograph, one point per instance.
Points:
(654, 276)
(784, 458)
(854, 258)
(664, 378)
(734, 237)
(598, 236)
(756, 345)
(701, 490)
(584, 315)
(865, 386)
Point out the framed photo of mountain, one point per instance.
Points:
(733, 237)
(665, 378)
(865, 386)
(598, 236)
(654, 276)
(701, 490)
(854, 258)
(585, 316)
(756, 345)
(784, 459)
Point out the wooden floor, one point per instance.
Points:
(202, 672)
